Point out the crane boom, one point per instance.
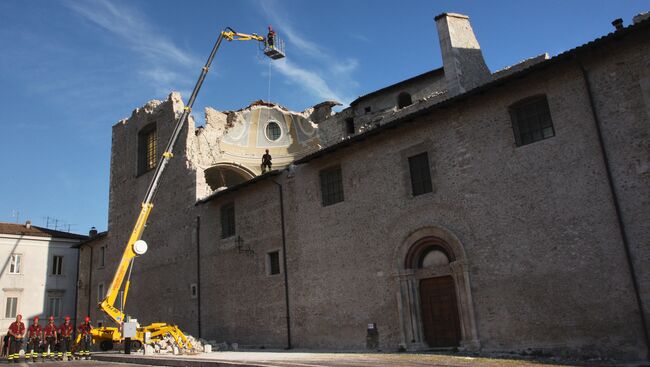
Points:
(107, 305)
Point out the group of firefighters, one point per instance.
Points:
(52, 342)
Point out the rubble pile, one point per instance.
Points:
(167, 345)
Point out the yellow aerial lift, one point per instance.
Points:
(124, 329)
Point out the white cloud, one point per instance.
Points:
(162, 56)
(325, 76)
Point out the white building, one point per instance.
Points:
(38, 273)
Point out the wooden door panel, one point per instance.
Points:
(440, 312)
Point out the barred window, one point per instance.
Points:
(331, 185)
(420, 174)
(531, 120)
(227, 220)
(147, 148)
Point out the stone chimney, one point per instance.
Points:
(92, 232)
(462, 58)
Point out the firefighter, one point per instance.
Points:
(49, 347)
(270, 38)
(86, 338)
(65, 331)
(16, 334)
(34, 337)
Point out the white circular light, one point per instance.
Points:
(140, 247)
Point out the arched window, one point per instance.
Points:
(433, 257)
(403, 100)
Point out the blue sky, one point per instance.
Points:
(69, 70)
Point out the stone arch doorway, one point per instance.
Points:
(226, 175)
(434, 300)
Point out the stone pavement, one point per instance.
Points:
(310, 359)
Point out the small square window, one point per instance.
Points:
(531, 120)
(331, 185)
(12, 307)
(273, 263)
(57, 265)
(420, 174)
(367, 109)
(227, 220)
(15, 263)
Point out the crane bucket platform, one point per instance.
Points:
(275, 51)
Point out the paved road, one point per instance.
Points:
(75, 364)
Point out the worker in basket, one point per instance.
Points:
(270, 38)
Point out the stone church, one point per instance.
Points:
(492, 211)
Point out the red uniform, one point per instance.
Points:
(50, 330)
(34, 331)
(17, 329)
(66, 330)
(85, 340)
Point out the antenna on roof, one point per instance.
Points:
(16, 213)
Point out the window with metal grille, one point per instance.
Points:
(227, 220)
(54, 306)
(57, 265)
(147, 148)
(100, 292)
(331, 185)
(274, 262)
(420, 174)
(12, 307)
(15, 263)
(531, 120)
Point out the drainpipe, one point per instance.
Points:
(90, 279)
(284, 264)
(76, 289)
(617, 208)
(198, 271)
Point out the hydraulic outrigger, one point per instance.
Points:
(106, 336)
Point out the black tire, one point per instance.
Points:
(106, 345)
(136, 345)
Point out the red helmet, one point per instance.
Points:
(36, 319)
(19, 317)
(51, 318)
(87, 319)
(67, 318)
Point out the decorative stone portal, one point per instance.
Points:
(434, 298)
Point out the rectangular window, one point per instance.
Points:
(349, 126)
(102, 254)
(100, 292)
(57, 265)
(12, 307)
(194, 291)
(54, 306)
(15, 263)
(331, 185)
(227, 220)
(147, 148)
(420, 174)
(367, 109)
(531, 120)
(274, 262)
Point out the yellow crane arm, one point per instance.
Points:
(108, 304)
(231, 35)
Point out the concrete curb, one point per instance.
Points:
(176, 362)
